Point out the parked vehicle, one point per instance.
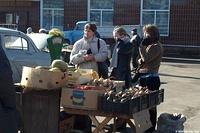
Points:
(21, 51)
(71, 36)
(40, 40)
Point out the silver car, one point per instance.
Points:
(21, 51)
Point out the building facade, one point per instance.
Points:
(178, 20)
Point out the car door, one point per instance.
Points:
(22, 52)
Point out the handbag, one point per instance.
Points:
(103, 66)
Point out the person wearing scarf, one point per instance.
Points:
(151, 52)
(121, 57)
(85, 53)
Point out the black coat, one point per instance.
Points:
(123, 71)
(7, 91)
(8, 121)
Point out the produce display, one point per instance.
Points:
(56, 66)
(60, 65)
(107, 83)
(130, 100)
(81, 76)
(113, 98)
(125, 95)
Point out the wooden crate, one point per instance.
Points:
(39, 110)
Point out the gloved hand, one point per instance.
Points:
(146, 41)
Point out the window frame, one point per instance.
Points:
(101, 13)
(155, 15)
(53, 10)
(21, 47)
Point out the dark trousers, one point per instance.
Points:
(83, 123)
(153, 83)
(134, 61)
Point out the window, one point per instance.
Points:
(156, 12)
(9, 18)
(15, 42)
(101, 12)
(53, 14)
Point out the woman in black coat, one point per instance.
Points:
(121, 56)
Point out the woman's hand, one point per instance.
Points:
(88, 57)
(140, 61)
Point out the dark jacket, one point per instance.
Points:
(123, 71)
(135, 40)
(8, 121)
(7, 91)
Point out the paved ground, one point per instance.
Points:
(181, 82)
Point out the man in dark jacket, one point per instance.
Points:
(135, 40)
(8, 122)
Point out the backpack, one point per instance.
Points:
(103, 66)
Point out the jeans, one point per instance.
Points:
(152, 81)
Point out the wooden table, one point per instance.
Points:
(107, 118)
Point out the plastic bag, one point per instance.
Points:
(171, 123)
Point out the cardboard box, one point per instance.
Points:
(80, 99)
(42, 79)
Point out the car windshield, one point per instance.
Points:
(40, 40)
(80, 26)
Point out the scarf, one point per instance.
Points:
(114, 60)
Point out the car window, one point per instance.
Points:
(80, 26)
(15, 42)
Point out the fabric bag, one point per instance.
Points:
(103, 66)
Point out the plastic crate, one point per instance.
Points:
(121, 108)
(132, 106)
(160, 96)
(156, 97)
(129, 107)
(135, 105)
(153, 98)
(105, 105)
(144, 101)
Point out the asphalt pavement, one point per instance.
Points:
(181, 82)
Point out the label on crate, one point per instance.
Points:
(77, 97)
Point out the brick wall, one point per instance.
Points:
(28, 12)
(126, 12)
(184, 23)
(74, 10)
